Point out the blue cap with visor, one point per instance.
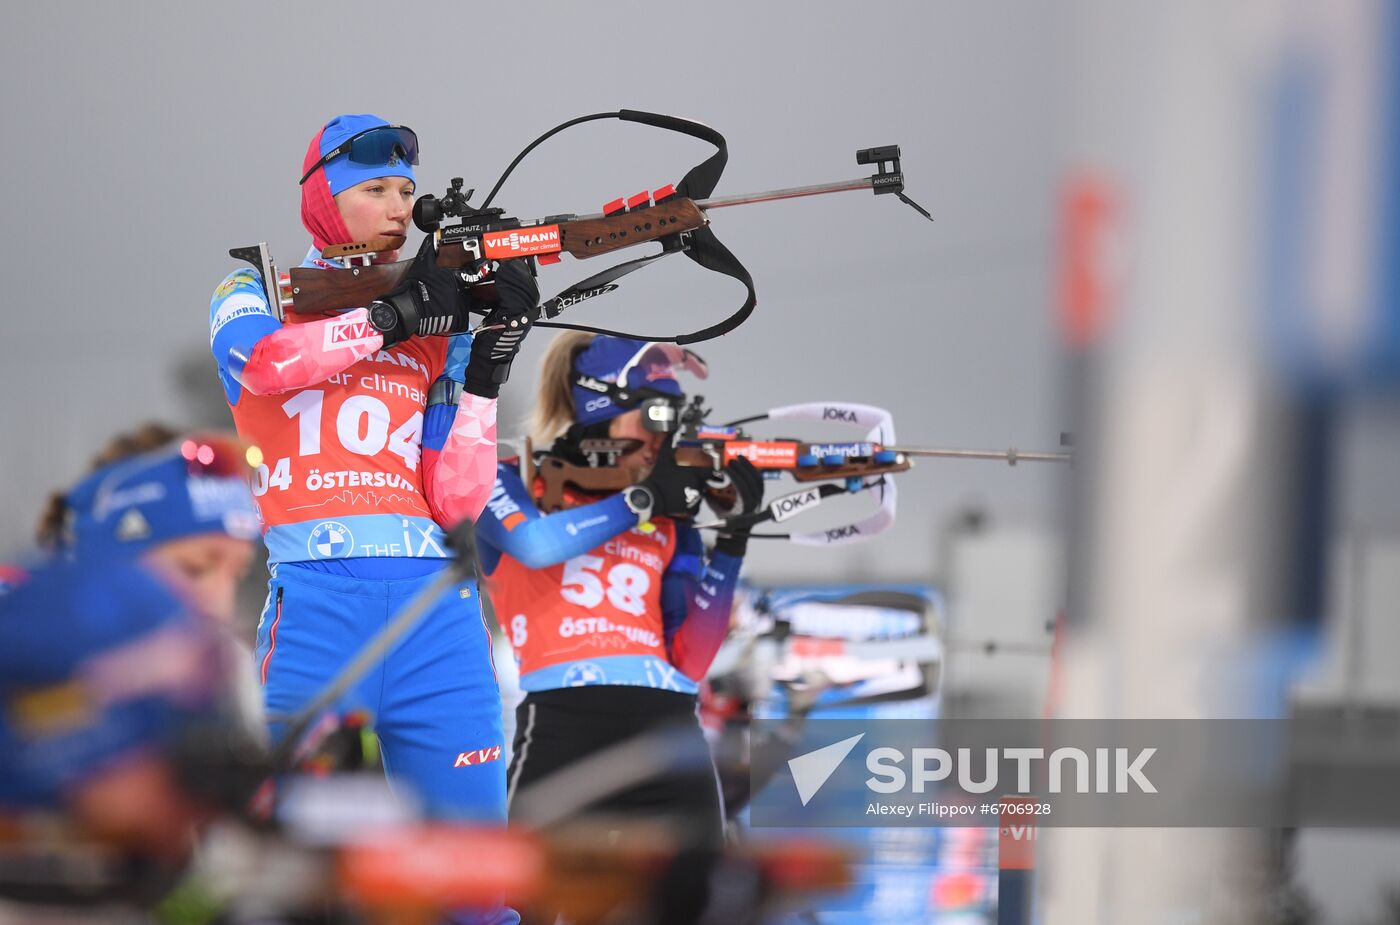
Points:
(197, 485)
(613, 375)
(359, 147)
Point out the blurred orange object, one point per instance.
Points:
(442, 866)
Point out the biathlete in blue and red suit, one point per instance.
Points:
(374, 430)
(612, 605)
(111, 650)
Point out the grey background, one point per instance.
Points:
(145, 140)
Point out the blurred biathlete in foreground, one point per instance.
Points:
(611, 604)
(113, 670)
(371, 437)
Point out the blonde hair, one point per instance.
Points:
(554, 409)
(53, 523)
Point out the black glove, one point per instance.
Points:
(504, 330)
(429, 300)
(675, 490)
(747, 482)
(735, 489)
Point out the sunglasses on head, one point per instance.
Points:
(218, 455)
(373, 147)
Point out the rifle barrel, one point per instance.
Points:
(792, 192)
(1010, 456)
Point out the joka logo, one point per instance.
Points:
(839, 414)
(521, 242)
(478, 756)
(795, 503)
(815, 768)
(348, 333)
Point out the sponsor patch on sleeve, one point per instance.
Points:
(237, 306)
(349, 332)
(234, 280)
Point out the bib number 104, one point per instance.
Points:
(361, 425)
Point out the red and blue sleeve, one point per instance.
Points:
(258, 353)
(443, 399)
(459, 443)
(513, 525)
(697, 597)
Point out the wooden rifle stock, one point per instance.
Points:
(851, 469)
(559, 475)
(589, 237)
(317, 291)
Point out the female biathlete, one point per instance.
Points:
(611, 605)
(371, 434)
(111, 656)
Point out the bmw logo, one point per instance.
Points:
(330, 540)
(584, 674)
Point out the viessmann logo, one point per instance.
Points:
(762, 454)
(521, 242)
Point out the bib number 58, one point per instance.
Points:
(626, 584)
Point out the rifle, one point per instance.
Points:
(674, 215)
(824, 468)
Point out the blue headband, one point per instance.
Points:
(343, 173)
(137, 503)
